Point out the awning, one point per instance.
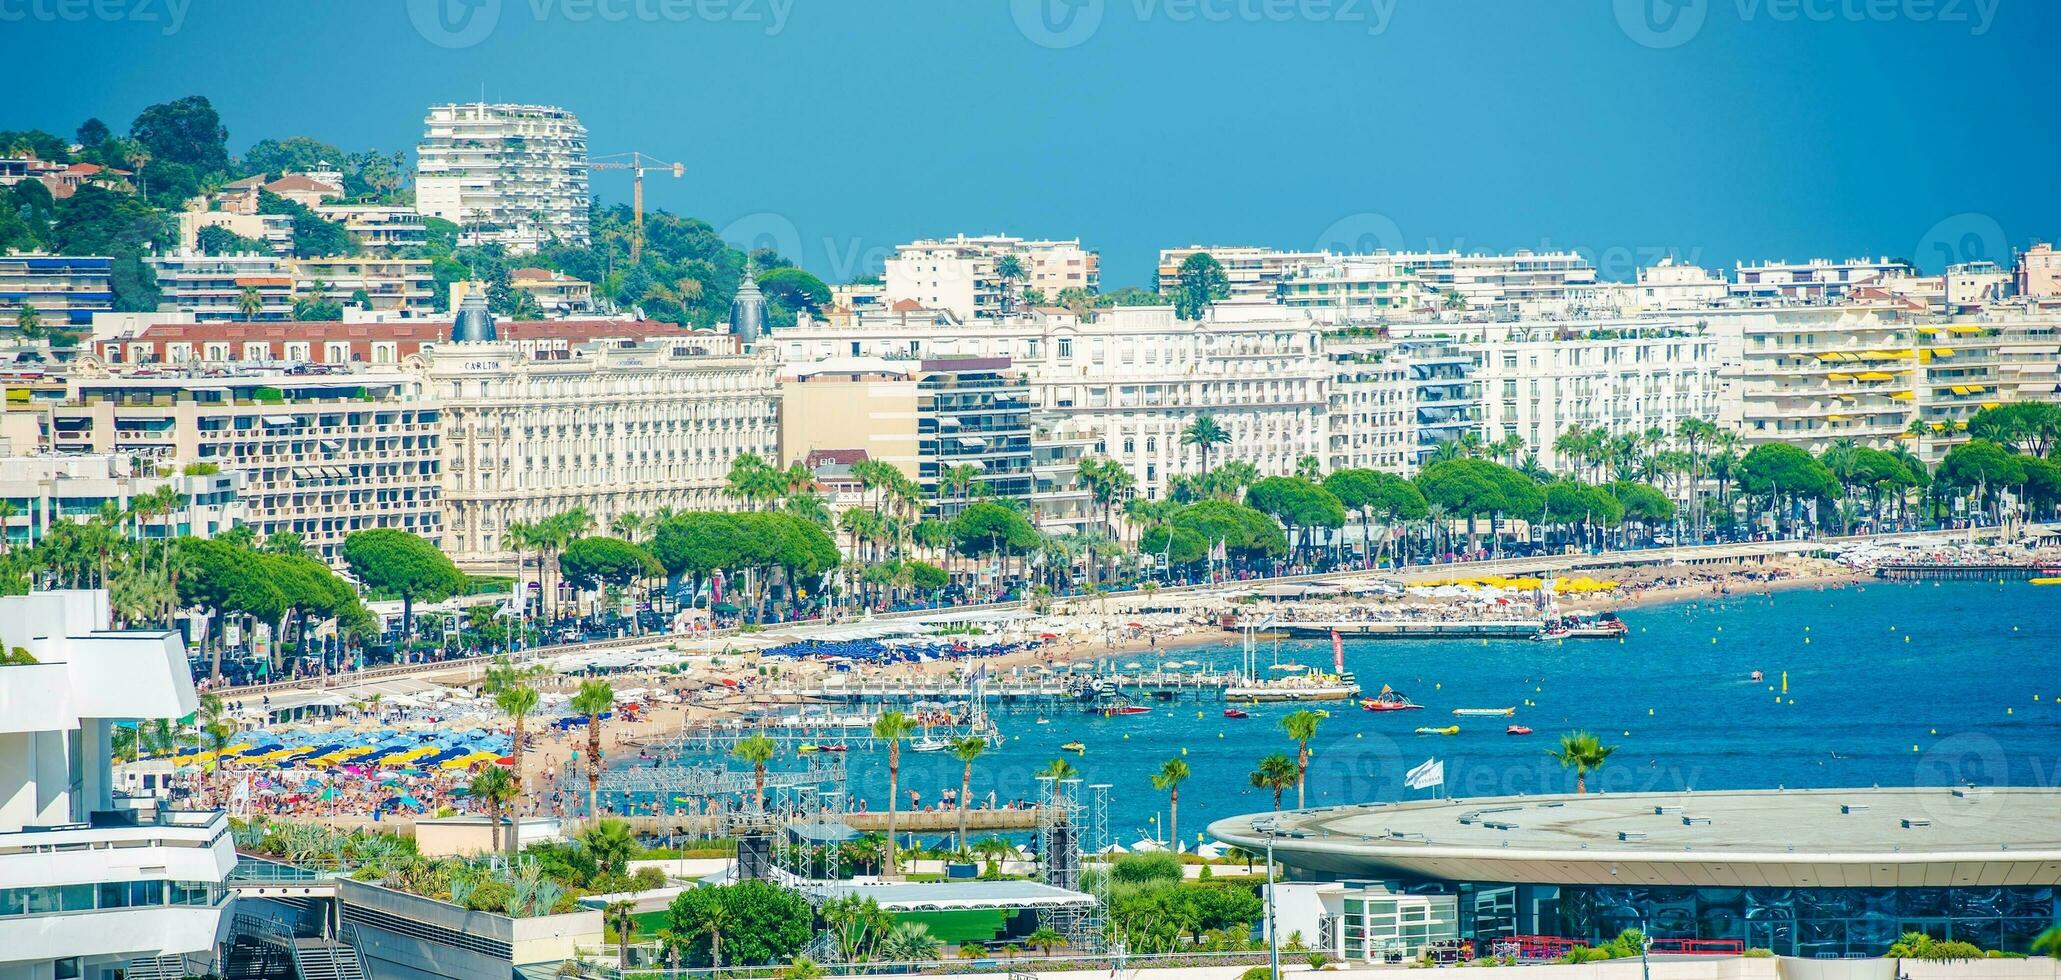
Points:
(1835, 418)
(974, 441)
(1835, 356)
(1876, 376)
(1991, 404)
(1902, 396)
(1881, 355)
(335, 472)
(332, 445)
(1964, 329)
(1942, 352)
(279, 420)
(1839, 376)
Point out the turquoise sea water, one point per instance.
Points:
(1967, 673)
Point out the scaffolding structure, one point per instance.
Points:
(1063, 819)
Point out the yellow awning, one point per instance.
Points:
(1928, 330)
(1902, 396)
(1964, 329)
(1959, 389)
(1942, 352)
(1877, 376)
(1835, 418)
(1991, 404)
(1836, 356)
(1881, 355)
(1839, 376)
(1976, 389)
(1939, 426)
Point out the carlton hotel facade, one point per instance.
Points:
(618, 428)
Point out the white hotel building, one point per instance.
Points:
(958, 273)
(1334, 286)
(94, 885)
(1133, 377)
(623, 428)
(1625, 376)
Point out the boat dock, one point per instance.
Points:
(1918, 571)
(1139, 686)
(1416, 629)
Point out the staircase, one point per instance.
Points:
(318, 958)
(263, 948)
(157, 968)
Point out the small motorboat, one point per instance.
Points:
(929, 744)
(1237, 713)
(1390, 700)
(1125, 709)
(1074, 747)
(837, 747)
(1044, 721)
(1484, 712)
(1448, 730)
(1550, 633)
(1756, 676)
(808, 748)
(1516, 730)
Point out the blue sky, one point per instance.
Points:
(1717, 130)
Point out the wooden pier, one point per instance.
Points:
(1920, 571)
(1414, 629)
(1156, 685)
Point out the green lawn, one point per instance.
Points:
(960, 925)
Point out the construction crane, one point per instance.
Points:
(636, 163)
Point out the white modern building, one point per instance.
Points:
(322, 455)
(1399, 284)
(93, 885)
(617, 428)
(959, 273)
(1132, 378)
(46, 489)
(378, 229)
(1672, 285)
(391, 285)
(1252, 272)
(509, 174)
(214, 288)
(1812, 281)
(1622, 376)
(1373, 411)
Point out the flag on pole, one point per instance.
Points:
(1337, 654)
(1431, 773)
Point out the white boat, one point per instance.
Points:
(929, 744)
(1484, 712)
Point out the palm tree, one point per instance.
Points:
(1276, 772)
(1301, 727)
(494, 787)
(215, 729)
(891, 727)
(622, 918)
(250, 303)
(1584, 753)
(626, 526)
(1059, 770)
(7, 512)
(594, 699)
(1204, 434)
(1171, 774)
(611, 844)
(755, 751)
(966, 750)
(513, 694)
(1045, 939)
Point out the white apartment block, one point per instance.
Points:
(1399, 284)
(378, 229)
(615, 428)
(509, 174)
(275, 230)
(1372, 405)
(1671, 285)
(1133, 377)
(95, 885)
(405, 286)
(46, 489)
(1251, 271)
(320, 455)
(1623, 376)
(958, 273)
(1813, 281)
(211, 288)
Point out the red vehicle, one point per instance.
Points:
(1390, 700)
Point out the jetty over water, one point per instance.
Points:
(1917, 571)
(1163, 685)
(1418, 629)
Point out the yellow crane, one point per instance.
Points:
(636, 163)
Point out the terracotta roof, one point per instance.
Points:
(417, 330)
(255, 180)
(296, 182)
(846, 457)
(906, 306)
(535, 273)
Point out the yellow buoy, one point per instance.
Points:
(1785, 682)
(1792, 700)
(1914, 748)
(1649, 711)
(1184, 750)
(1806, 640)
(1220, 734)
(2009, 710)
(1907, 637)
(1127, 736)
(1933, 732)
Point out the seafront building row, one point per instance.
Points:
(333, 427)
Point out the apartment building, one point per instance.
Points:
(274, 230)
(1812, 375)
(1962, 365)
(325, 346)
(1345, 288)
(1253, 273)
(95, 885)
(2039, 272)
(556, 293)
(959, 273)
(1672, 285)
(213, 288)
(1444, 390)
(404, 286)
(64, 290)
(321, 455)
(45, 489)
(617, 428)
(510, 174)
(385, 230)
(1523, 283)
(1538, 380)
(1373, 413)
(1132, 378)
(1812, 281)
